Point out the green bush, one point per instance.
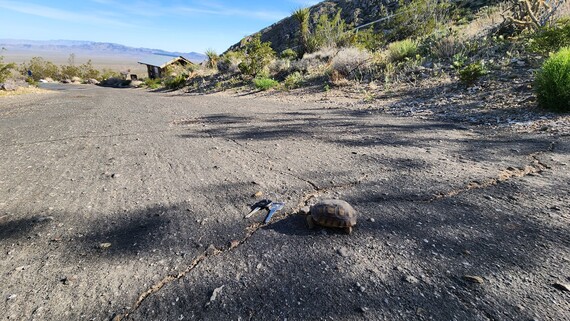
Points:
(5, 69)
(293, 80)
(402, 50)
(176, 82)
(328, 33)
(472, 72)
(229, 62)
(551, 38)
(258, 55)
(153, 83)
(87, 71)
(369, 39)
(264, 83)
(552, 83)
(69, 71)
(108, 74)
(419, 18)
(40, 69)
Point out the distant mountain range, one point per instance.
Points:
(104, 48)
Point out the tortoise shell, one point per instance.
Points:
(333, 213)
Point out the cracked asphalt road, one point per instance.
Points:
(124, 204)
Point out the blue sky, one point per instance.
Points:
(173, 25)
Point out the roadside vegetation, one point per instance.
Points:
(421, 39)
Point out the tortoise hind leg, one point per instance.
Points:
(310, 222)
(348, 229)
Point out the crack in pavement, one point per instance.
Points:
(535, 167)
(212, 251)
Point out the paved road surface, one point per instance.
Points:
(125, 204)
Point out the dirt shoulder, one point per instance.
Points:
(126, 204)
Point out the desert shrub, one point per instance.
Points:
(5, 69)
(351, 62)
(293, 80)
(87, 71)
(328, 33)
(317, 62)
(153, 83)
(230, 61)
(414, 19)
(264, 83)
(400, 50)
(472, 72)
(279, 66)
(176, 69)
(289, 54)
(69, 71)
(175, 82)
(552, 83)
(441, 44)
(40, 68)
(369, 39)
(258, 55)
(108, 74)
(551, 38)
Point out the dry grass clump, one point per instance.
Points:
(25, 91)
(351, 62)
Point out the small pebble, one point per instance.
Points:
(343, 251)
(410, 279)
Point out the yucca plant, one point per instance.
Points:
(213, 57)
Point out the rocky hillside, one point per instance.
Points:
(284, 34)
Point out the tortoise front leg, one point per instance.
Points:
(348, 229)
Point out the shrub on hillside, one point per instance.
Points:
(229, 62)
(552, 83)
(258, 55)
(351, 62)
(175, 82)
(153, 83)
(264, 83)
(317, 62)
(328, 33)
(472, 72)
(293, 80)
(414, 19)
(402, 50)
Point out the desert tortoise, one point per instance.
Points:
(332, 213)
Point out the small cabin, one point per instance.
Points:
(156, 65)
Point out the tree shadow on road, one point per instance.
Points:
(409, 263)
